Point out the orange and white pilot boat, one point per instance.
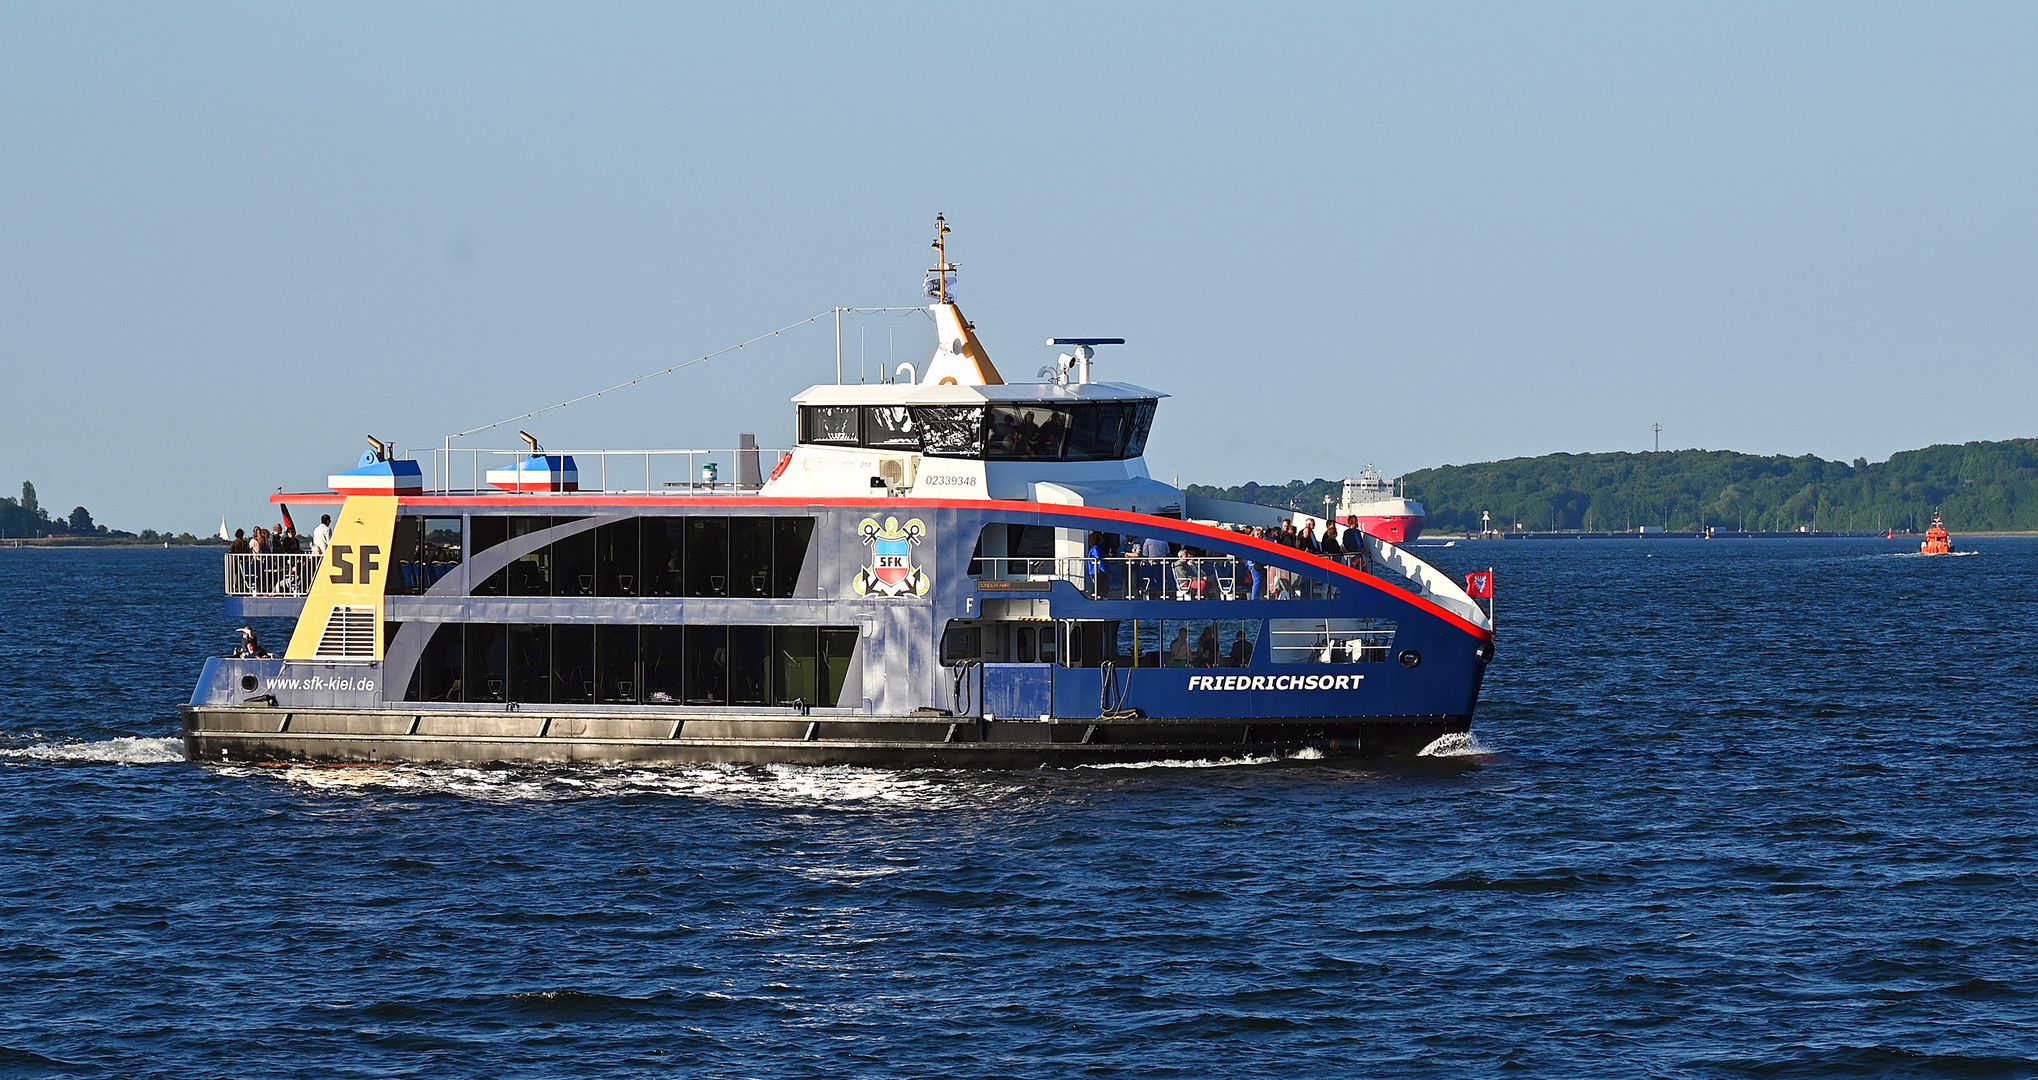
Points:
(1937, 540)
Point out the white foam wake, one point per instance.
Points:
(1455, 744)
(122, 751)
(797, 786)
(1183, 763)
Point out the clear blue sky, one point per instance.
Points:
(235, 238)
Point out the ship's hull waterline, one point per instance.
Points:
(262, 735)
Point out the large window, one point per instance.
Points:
(701, 555)
(1080, 431)
(577, 664)
(952, 430)
(890, 427)
(1330, 641)
(832, 425)
(423, 550)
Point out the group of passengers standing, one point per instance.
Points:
(282, 540)
(1155, 569)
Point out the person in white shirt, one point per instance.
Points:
(322, 535)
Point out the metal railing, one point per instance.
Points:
(635, 472)
(270, 575)
(1193, 578)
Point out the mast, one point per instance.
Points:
(942, 268)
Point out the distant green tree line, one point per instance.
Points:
(1979, 486)
(26, 517)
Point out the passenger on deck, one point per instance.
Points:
(1355, 542)
(1153, 571)
(1095, 566)
(1331, 548)
(1254, 572)
(1185, 575)
(322, 536)
(249, 648)
(1307, 540)
(240, 544)
(1178, 649)
(259, 543)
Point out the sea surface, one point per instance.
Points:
(1733, 809)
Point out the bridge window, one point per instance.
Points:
(1038, 431)
(1330, 641)
(832, 425)
(1026, 433)
(890, 427)
(952, 430)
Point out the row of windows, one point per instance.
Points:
(651, 556)
(560, 663)
(1086, 431)
(1167, 642)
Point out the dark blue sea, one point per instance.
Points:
(1734, 809)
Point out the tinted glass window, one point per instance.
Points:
(1135, 433)
(664, 665)
(707, 665)
(837, 646)
(573, 564)
(490, 531)
(833, 424)
(796, 658)
(707, 556)
(442, 549)
(790, 538)
(531, 573)
(664, 556)
(487, 532)
(951, 430)
(438, 671)
(749, 664)
(615, 559)
(485, 663)
(405, 561)
(890, 427)
(530, 663)
(573, 672)
(750, 556)
(1097, 431)
(1027, 432)
(616, 655)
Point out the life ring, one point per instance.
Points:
(783, 461)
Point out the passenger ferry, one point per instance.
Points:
(946, 569)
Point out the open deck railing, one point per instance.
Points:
(270, 575)
(624, 472)
(1135, 578)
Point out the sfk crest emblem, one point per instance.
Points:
(891, 571)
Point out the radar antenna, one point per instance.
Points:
(1079, 358)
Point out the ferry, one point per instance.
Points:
(1370, 501)
(944, 569)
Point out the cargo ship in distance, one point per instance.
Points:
(1370, 499)
(945, 569)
